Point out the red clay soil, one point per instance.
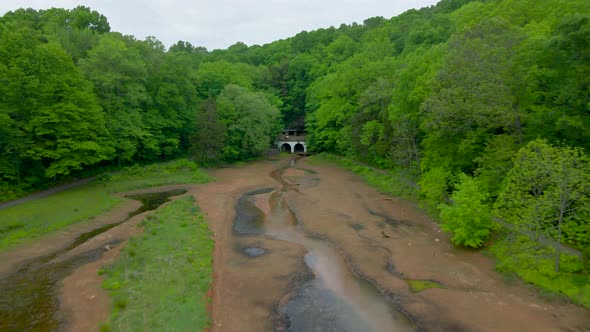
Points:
(83, 301)
(383, 240)
(397, 241)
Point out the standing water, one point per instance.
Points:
(28, 297)
(335, 299)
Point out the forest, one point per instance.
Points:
(484, 105)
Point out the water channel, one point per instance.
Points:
(28, 297)
(335, 299)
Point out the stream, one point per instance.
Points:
(28, 297)
(335, 299)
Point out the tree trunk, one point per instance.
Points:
(557, 249)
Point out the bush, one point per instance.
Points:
(468, 218)
(535, 264)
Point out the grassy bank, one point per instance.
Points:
(386, 182)
(518, 255)
(32, 219)
(160, 281)
(535, 264)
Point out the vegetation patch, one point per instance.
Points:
(160, 280)
(395, 184)
(44, 215)
(535, 264)
(417, 285)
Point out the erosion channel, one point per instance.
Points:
(29, 296)
(311, 247)
(332, 297)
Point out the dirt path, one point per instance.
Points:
(382, 240)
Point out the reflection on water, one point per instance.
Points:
(336, 299)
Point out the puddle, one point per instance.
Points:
(249, 218)
(253, 251)
(151, 201)
(28, 297)
(335, 299)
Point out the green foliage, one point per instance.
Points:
(468, 217)
(38, 217)
(548, 192)
(535, 264)
(454, 88)
(161, 279)
(251, 122)
(208, 140)
(33, 219)
(174, 172)
(434, 185)
(395, 184)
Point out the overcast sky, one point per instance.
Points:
(221, 23)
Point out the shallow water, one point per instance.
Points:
(335, 299)
(28, 297)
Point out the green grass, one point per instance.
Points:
(160, 280)
(38, 217)
(535, 264)
(394, 184)
(417, 285)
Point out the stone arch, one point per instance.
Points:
(299, 148)
(286, 147)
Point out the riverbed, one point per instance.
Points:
(301, 246)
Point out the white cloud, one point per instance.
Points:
(221, 23)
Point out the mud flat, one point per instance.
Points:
(386, 246)
(42, 291)
(297, 248)
(393, 242)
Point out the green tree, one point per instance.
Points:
(119, 74)
(468, 217)
(547, 192)
(252, 122)
(208, 140)
(57, 126)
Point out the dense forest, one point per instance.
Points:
(485, 104)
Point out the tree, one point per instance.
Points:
(56, 124)
(119, 74)
(208, 140)
(468, 217)
(548, 192)
(251, 121)
(472, 97)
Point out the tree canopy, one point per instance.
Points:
(492, 92)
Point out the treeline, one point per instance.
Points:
(483, 103)
(76, 97)
(496, 92)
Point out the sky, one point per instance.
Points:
(220, 23)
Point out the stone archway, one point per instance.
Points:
(292, 146)
(299, 148)
(286, 147)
